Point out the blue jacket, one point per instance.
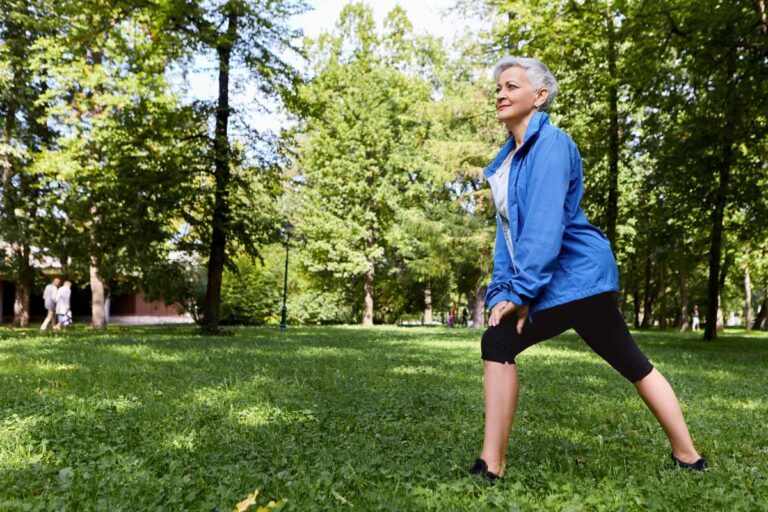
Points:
(553, 254)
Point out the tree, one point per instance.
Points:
(254, 35)
(121, 167)
(359, 154)
(23, 134)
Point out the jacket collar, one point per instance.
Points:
(538, 120)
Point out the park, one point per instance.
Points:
(262, 255)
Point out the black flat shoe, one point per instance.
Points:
(481, 469)
(699, 465)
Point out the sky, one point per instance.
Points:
(427, 16)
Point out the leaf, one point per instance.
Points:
(247, 502)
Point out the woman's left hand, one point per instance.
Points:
(522, 316)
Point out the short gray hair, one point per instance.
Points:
(538, 74)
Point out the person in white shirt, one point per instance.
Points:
(49, 298)
(63, 311)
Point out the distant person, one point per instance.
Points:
(464, 317)
(695, 323)
(49, 300)
(552, 269)
(63, 309)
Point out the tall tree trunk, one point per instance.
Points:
(635, 295)
(428, 303)
(98, 311)
(713, 294)
(718, 213)
(23, 287)
(747, 299)
(19, 256)
(368, 312)
(21, 305)
(216, 258)
(478, 312)
(720, 317)
(647, 296)
(98, 316)
(682, 275)
(761, 322)
(663, 297)
(721, 285)
(613, 135)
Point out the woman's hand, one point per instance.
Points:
(505, 308)
(499, 311)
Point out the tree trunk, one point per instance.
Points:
(18, 254)
(216, 258)
(428, 304)
(21, 306)
(721, 285)
(368, 312)
(647, 298)
(718, 213)
(478, 312)
(747, 299)
(98, 311)
(23, 292)
(761, 322)
(24, 283)
(663, 297)
(720, 317)
(635, 295)
(613, 136)
(684, 325)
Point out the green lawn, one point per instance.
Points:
(386, 418)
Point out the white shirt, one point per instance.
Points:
(62, 300)
(499, 182)
(500, 186)
(49, 296)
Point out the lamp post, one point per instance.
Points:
(284, 309)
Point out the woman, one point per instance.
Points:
(552, 270)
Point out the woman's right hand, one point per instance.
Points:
(499, 311)
(505, 308)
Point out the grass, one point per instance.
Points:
(346, 418)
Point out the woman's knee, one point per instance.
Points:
(494, 348)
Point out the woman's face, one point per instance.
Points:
(516, 98)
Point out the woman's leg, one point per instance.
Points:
(661, 400)
(603, 328)
(500, 346)
(500, 386)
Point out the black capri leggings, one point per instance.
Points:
(596, 319)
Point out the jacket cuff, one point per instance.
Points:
(516, 299)
(509, 297)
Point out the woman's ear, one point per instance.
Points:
(541, 98)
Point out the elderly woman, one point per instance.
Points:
(552, 269)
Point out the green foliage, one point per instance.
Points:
(385, 418)
(251, 294)
(360, 157)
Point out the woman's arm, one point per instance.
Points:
(538, 247)
(500, 288)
